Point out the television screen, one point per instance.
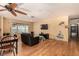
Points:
(44, 26)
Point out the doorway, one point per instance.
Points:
(74, 28)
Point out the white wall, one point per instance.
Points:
(53, 27)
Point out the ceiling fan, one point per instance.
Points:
(11, 7)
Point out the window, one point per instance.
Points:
(19, 28)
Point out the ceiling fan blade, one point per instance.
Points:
(23, 9)
(3, 9)
(21, 12)
(13, 13)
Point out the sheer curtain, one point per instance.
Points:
(19, 28)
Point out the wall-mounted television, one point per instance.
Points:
(44, 26)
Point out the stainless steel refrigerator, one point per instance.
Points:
(74, 31)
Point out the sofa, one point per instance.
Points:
(28, 39)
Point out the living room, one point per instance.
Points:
(49, 23)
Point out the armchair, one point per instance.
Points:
(28, 39)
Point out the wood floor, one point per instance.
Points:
(50, 48)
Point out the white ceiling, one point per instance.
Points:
(43, 10)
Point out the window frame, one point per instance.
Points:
(17, 28)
